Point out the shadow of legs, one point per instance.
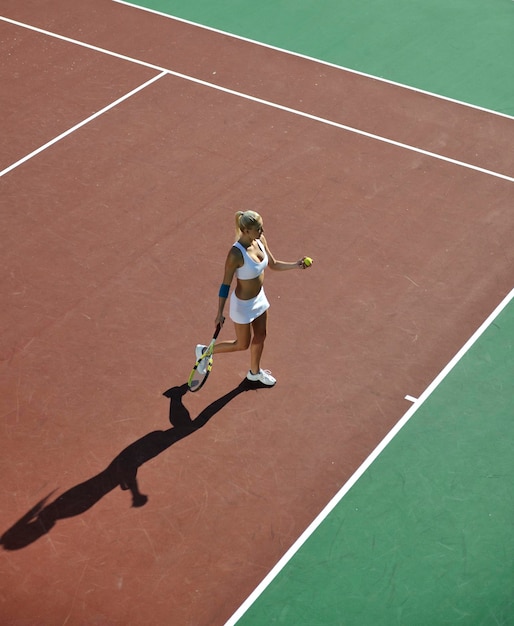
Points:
(122, 471)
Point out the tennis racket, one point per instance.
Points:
(203, 366)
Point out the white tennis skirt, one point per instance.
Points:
(245, 311)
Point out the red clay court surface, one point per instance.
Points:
(113, 247)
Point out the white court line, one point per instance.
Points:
(267, 103)
(80, 124)
(338, 497)
(314, 59)
(367, 463)
(80, 43)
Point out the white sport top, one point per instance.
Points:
(251, 269)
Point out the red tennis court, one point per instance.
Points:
(115, 236)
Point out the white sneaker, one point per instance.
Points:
(199, 350)
(264, 377)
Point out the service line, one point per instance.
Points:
(80, 124)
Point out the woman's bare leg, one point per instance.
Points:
(259, 326)
(241, 342)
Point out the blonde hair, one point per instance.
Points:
(246, 219)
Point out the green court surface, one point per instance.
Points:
(425, 535)
(461, 49)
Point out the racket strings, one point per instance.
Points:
(204, 364)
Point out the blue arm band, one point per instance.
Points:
(224, 289)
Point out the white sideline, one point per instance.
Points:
(366, 464)
(314, 59)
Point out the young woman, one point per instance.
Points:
(247, 260)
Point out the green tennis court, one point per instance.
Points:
(461, 49)
(425, 534)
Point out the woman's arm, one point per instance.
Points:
(234, 260)
(274, 264)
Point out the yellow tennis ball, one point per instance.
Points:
(307, 261)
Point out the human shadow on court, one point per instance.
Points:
(122, 471)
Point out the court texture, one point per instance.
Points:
(373, 485)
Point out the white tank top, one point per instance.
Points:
(251, 269)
